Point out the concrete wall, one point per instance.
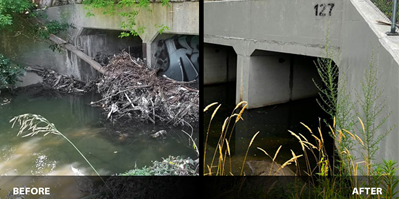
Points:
(181, 17)
(274, 78)
(293, 27)
(220, 65)
(363, 38)
(286, 26)
(24, 49)
(304, 74)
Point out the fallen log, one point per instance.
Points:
(77, 52)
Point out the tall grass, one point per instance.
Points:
(36, 124)
(224, 138)
(222, 149)
(382, 176)
(339, 185)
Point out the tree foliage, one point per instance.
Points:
(10, 7)
(9, 73)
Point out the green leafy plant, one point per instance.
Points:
(10, 7)
(43, 31)
(390, 180)
(173, 165)
(372, 106)
(335, 101)
(109, 7)
(162, 28)
(9, 73)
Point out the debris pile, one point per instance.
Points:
(62, 83)
(130, 90)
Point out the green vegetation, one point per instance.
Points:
(51, 27)
(9, 73)
(109, 7)
(169, 166)
(372, 107)
(10, 7)
(27, 12)
(386, 6)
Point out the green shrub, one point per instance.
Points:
(9, 73)
(173, 165)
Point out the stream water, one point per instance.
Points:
(108, 151)
(273, 123)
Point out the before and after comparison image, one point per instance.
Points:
(288, 99)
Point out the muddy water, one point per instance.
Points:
(108, 151)
(273, 123)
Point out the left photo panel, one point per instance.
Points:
(93, 91)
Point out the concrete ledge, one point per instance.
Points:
(29, 79)
(371, 15)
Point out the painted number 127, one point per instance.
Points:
(320, 9)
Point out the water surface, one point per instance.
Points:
(109, 149)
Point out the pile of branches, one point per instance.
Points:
(130, 90)
(62, 83)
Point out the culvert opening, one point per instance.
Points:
(220, 75)
(272, 75)
(102, 45)
(177, 57)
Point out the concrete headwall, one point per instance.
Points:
(362, 39)
(279, 26)
(182, 17)
(302, 27)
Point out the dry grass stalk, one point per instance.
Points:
(208, 130)
(300, 141)
(240, 113)
(288, 162)
(209, 106)
(359, 139)
(251, 142)
(348, 132)
(229, 153)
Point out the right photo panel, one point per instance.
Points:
(303, 96)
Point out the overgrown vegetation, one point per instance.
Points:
(109, 7)
(27, 11)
